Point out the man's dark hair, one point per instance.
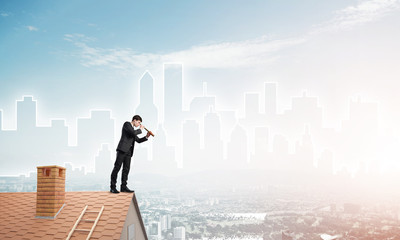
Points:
(137, 118)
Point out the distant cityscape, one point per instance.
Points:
(256, 204)
(269, 213)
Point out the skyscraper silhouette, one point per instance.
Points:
(280, 149)
(199, 106)
(325, 163)
(88, 130)
(103, 164)
(41, 144)
(173, 81)
(237, 148)
(359, 135)
(260, 157)
(305, 152)
(252, 105)
(363, 115)
(26, 114)
(191, 145)
(270, 98)
(93, 132)
(252, 111)
(213, 146)
(140, 162)
(229, 120)
(58, 134)
(163, 155)
(146, 107)
(305, 110)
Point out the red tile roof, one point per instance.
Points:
(18, 221)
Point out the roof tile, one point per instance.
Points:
(17, 215)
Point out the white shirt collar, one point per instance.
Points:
(135, 128)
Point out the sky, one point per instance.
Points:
(73, 56)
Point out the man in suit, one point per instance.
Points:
(130, 132)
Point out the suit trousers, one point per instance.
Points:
(124, 160)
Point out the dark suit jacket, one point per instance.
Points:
(128, 138)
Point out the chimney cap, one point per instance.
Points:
(53, 166)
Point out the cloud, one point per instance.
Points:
(220, 55)
(32, 28)
(233, 54)
(120, 58)
(78, 38)
(4, 14)
(254, 52)
(352, 16)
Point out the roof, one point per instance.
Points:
(18, 221)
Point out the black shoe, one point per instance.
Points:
(126, 189)
(113, 190)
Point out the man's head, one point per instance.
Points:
(136, 120)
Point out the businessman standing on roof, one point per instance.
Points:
(130, 132)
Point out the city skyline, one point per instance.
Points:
(284, 136)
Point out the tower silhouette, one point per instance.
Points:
(213, 146)
(325, 163)
(103, 163)
(191, 145)
(146, 108)
(59, 132)
(237, 148)
(359, 135)
(305, 152)
(163, 155)
(270, 98)
(89, 135)
(306, 110)
(252, 112)
(280, 150)
(200, 105)
(251, 106)
(173, 80)
(93, 132)
(26, 114)
(261, 147)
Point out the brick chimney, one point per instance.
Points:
(50, 196)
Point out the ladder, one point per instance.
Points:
(90, 231)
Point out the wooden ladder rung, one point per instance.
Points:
(95, 223)
(76, 223)
(87, 220)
